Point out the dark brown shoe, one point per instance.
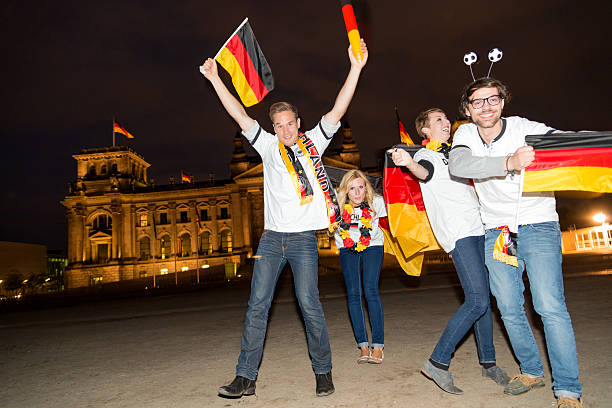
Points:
(325, 385)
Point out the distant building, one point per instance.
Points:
(122, 226)
(18, 262)
(591, 239)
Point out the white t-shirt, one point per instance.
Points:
(282, 209)
(451, 203)
(499, 195)
(376, 234)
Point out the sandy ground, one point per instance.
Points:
(175, 351)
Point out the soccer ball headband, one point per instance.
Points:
(471, 57)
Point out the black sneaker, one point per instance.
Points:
(325, 385)
(239, 387)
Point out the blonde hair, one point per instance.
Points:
(343, 189)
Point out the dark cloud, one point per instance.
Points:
(71, 66)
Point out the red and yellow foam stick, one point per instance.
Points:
(351, 28)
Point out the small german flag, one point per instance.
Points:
(404, 136)
(186, 178)
(117, 128)
(242, 58)
(570, 161)
(408, 224)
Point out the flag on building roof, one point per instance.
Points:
(242, 58)
(117, 128)
(404, 136)
(408, 226)
(186, 178)
(570, 161)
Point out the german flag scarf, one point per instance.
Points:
(300, 180)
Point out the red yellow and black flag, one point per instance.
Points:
(570, 161)
(186, 178)
(117, 128)
(242, 58)
(408, 226)
(404, 136)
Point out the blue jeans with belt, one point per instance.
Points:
(468, 257)
(371, 258)
(274, 251)
(539, 252)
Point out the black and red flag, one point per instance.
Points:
(242, 58)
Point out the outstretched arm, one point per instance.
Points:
(229, 102)
(348, 89)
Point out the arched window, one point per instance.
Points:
(145, 248)
(114, 168)
(92, 170)
(205, 243)
(185, 245)
(226, 241)
(102, 223)
(166, 247)
(103, 169)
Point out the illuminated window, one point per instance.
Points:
(185, 245)
(95, 280)
(163, 271)
(145, 248)
(323, 240)
(205, 244)
(144, 220)
(184, 269)
(142, 274)
(165, 247)
(226, 241)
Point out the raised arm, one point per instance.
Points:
(348, 89)
(229, 102)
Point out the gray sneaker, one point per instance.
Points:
(442, 378)
(496, 374)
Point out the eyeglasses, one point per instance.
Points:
(492, 100)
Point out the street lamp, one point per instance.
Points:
(600, 218)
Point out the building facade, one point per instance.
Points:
(121, 226)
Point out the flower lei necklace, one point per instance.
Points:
(345, 225)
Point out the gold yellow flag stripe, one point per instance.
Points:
(231, 65)
(597, 179)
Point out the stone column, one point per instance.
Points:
(214, 228)
(236, 214)
(194, 226)
(173, 237)
(116, 231)
(246, 219)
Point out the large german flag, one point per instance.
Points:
(117, 128)
(570, 161)
(408, 226)
(243, 60)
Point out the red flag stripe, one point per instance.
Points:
(236, 47)
(587, 157)
(349, 18)
(402, 188)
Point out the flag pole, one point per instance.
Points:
(230, 37)
(113, 130)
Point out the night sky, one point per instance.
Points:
(70, 66)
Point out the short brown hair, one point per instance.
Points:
(282, 107)
(482, 83)
(422, 120)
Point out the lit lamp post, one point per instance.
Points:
(600, 218)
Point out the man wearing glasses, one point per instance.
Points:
(491, 150)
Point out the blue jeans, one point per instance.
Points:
(274, 251)
(468, 257)
(539, 252)
(371, 258)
